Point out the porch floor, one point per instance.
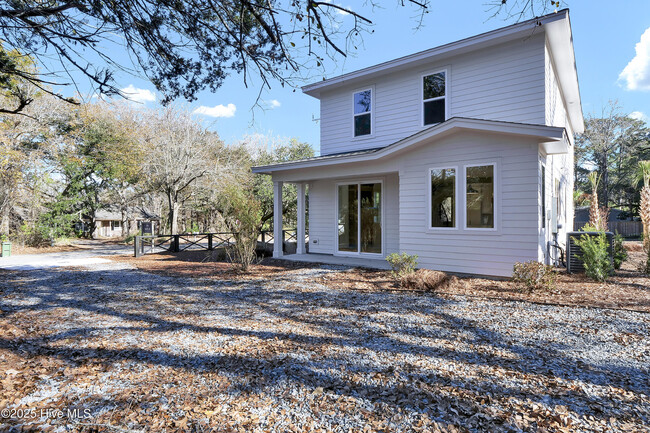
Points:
(328, 259)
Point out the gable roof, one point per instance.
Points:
(542, 132)
(557, 27)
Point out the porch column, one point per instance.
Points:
(278, 238)
(300, 236)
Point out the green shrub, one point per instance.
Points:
(620, 253)
(644, 266)
(595, 256)
(589, 228)
(534, 275)
(131, 238)
(402, 264)
(37, 235)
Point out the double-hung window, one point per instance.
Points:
(434, 98)
(363, 113)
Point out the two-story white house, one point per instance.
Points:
(461, 154)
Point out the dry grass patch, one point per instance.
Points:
(204, 264)
(628, 289)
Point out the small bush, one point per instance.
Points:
(131, 238)
(35, 235)
(402, 264)
(534, 275)
(620, 253)
(243, 216)
(424, 279)
(644, 266)
(595, 256)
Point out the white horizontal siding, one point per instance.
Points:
(504, 82)
(557, 166)
(321, 217)
(406, 205)
(471, 251)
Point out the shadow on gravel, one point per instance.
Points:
(379, 325)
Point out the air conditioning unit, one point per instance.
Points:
(574, 253)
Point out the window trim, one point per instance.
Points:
(337, 252)
(429, 228)
(422, 100)
(495, 183)
(371, 112)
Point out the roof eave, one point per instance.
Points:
(467, 44)
(564, 59)
(541, 132)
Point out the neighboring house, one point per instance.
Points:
(461, 154)
(108, 222)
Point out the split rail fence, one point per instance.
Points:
(149, 244)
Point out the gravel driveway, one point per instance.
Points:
(136, 351)
(89, 253)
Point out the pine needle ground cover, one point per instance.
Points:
(115, 348)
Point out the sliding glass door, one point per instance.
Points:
(359, 218)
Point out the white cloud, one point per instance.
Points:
(636, 74)
(339, 11)
(217, 111)
(638, 115)
(138, 95)
(273, 103)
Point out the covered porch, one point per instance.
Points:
(351, 219)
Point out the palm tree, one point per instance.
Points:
(595, 218)
(644, 207)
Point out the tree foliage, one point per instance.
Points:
(184, 47)
(612, 144)
(273, 153)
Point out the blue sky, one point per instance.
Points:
(607, 37)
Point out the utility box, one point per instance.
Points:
(574, 262)
(6, 249)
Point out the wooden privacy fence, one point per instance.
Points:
(148, 244)
(627, 229)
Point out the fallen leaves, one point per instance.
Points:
(293, 350)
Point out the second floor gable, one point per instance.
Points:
(511, 79)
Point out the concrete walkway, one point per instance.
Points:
(329, 259)
(89, 253)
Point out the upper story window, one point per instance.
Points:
(363, 113)
(434, 90)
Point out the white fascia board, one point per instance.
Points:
(560, 40)
(469, 44)
(541, 132)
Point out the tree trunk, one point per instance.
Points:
(4, 221)
(174, 207)
(644, 211)
(603, 170)
(126, 227)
